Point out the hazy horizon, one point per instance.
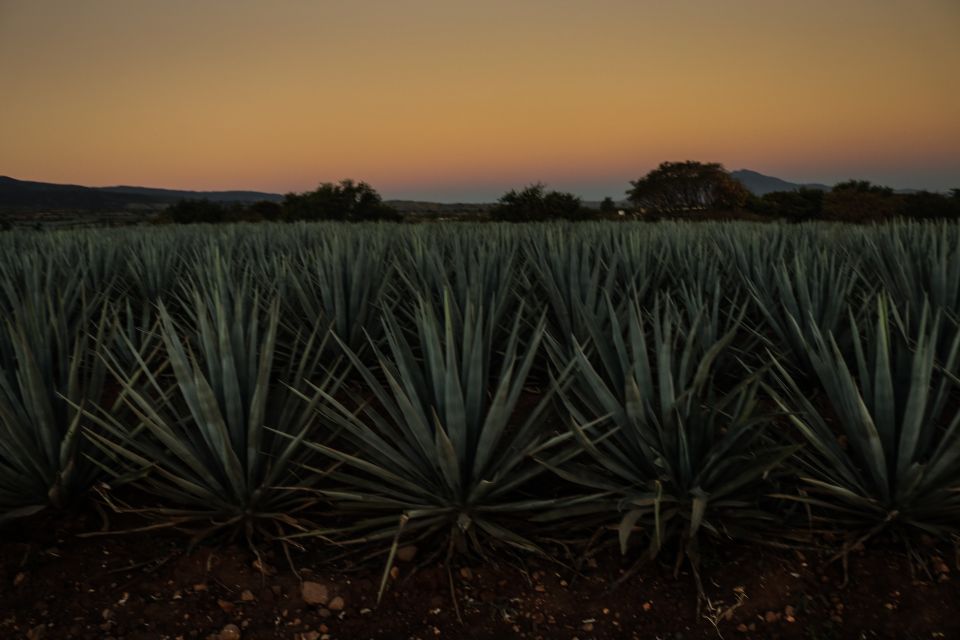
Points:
(458, 102)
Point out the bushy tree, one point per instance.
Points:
(796, 206)
(927, 205)
(195, 211)
(678, 187)
(535, 203)
(347, 200)
(860, 201)
(266, 210)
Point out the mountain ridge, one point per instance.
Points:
(760, 184)
(28, 195)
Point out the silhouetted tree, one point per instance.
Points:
(927, 205)
(266, 210)
(348, 200)
(534, 204)
(863, 186)
(195, 211)
(796, 206)
(860, 201)
(676, 187)
(608, 205)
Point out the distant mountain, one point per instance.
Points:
(25, 195)
(172, 195)
(759, 184)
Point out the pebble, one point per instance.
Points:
(230, 632)
(315, 593)
(247, 596)
(337, 604)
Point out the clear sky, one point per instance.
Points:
(462, 99)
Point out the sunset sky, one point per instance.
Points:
(461, 100)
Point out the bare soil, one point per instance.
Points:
(54, 584)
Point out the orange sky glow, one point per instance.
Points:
(460, 100)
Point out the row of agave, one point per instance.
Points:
(476, 386)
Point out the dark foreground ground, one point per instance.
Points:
(54, 585)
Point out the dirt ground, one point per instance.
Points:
(54, 585)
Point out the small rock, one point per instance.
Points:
(200, 587)
(394, 572)
(337, 604)
(226, 606)
(407, 554)
(587, 627)
(742, 628)
(466, 573)
(19, 578)
(37, 633)
(315, 593)
(647, 606)
(230, 632)
(247, 596)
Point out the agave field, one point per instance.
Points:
(490, 390)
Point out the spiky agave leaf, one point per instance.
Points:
(884, 442)
(663, 448)
(812, 291)
(217, 440)
(569, 275)
(440, 449)
(459, 266)
(49, 366)
(340, 282)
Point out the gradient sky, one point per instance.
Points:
(462, 99)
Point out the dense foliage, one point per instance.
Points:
(536, 204)
(678, 187)
(481, 386)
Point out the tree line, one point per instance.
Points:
(688, 190)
